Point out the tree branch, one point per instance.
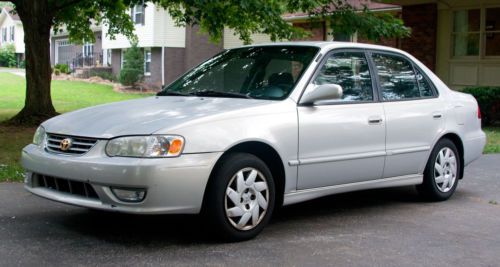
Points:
(65, 4)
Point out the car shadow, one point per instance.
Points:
(162, 230)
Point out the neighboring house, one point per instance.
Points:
(11, 32)
(321, 30)
(62, 51)
(168, 50)
(459, 39)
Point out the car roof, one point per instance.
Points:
(327, 45)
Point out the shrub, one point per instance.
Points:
(57, 72)
(22, 64)
(103, 75)
(8, 56)
(63, 68)
(488, 99)
(133, 67)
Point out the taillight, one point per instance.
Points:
(478, 113)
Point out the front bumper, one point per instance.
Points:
(174, 185)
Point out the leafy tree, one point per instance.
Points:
(5, 4)
(245, 17)
(133, 66)
(8, 56)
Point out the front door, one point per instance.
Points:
(342, 141)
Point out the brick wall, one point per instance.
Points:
(422, 19)
(174, 63)
(198, 47)
(116, 61)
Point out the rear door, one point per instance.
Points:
(414, 113)
(342, 141)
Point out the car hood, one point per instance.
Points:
(143, 116)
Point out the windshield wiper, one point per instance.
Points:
(222, 94)
(171, 93)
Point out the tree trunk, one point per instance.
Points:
(37, 22)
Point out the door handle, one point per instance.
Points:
(375, 120)
(437, 115)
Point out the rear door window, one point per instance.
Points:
(396, 77)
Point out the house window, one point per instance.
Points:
(138, 14)
(492, 32)
(63, 43)
(4, 34)
(109, 59)
(476, 32)
(147, 61)
(466, 32)
(88, 50)
(12, 32)
(342, 37)
(122, 58)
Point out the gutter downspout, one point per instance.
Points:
(162, 67)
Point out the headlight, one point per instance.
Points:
(154, 146)
(39, 136)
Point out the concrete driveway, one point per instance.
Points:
(389, 227)
(19, 72)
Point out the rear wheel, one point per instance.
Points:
(442, 172)
(240, 197)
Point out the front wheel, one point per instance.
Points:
(441, 173)
(240, 197)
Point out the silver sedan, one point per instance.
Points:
(258, 127)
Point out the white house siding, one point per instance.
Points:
(158, 30)
(6, 22)
(19, 38)
(231, 40)
(166, 33)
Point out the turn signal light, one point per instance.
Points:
(175, 146)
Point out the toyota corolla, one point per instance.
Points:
(258, 127)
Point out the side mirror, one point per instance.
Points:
(321, 92)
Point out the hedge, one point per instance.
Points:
(488, 99)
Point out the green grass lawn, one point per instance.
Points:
(66, 96)
(493, 145)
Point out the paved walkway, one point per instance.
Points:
(19, 72)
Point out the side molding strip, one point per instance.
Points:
(307, 194)
(336, 158)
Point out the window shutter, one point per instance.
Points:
(143, 15)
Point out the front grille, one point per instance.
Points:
(64, 185)
(78, 145)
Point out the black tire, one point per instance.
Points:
(429, 188)
(215, 200)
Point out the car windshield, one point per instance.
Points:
(261, 72)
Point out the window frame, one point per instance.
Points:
(435, 92)
(4, 34)
(376, 97)
(122, 57)
(134, 14)
(88, 50)
(482, 33)
(147, 50)
(12, 33)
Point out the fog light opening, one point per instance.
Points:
(129, 194)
